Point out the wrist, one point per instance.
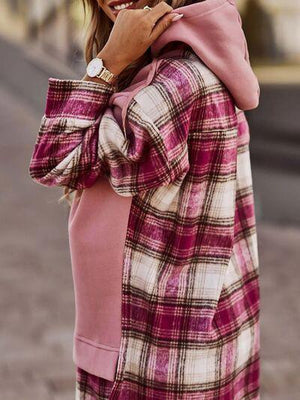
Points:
(113, 63)
(94, 79)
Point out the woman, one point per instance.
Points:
(162, 226)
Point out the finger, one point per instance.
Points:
(153, 3)
(161, 26)
(158, 12)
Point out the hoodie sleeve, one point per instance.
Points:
(80, 139)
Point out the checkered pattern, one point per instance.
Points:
(190, 293)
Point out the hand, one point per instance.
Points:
(133, 33)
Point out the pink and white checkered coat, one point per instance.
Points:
(190, 287)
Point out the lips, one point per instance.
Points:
(119, 5)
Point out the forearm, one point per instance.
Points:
(65, 152)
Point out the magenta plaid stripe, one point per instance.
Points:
(89, 386)
(190, 306)
(67, 98)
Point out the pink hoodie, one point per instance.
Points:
(213, 28)
(98, 217)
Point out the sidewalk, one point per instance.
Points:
(36, 290)
(279, 255)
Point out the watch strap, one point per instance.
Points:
(107, 76)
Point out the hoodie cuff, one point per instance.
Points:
(76, 98)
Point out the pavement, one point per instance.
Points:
(37, 307)
(36, 288)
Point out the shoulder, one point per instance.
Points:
(188, 72)
(179, 82)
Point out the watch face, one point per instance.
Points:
(94, 67)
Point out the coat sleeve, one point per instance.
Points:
(80, 139)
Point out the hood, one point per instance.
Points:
(213, 29)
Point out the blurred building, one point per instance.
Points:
(51, 26)
(271, 27)
(285, 16)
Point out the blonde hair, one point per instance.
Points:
(98, 32)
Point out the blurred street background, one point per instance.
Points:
(39, 39)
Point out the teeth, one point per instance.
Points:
(122, 6)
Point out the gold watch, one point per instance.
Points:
(96, 68)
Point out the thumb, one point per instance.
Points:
(162, 25)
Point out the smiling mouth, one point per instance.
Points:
(119, 5)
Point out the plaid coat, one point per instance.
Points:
(190, 290)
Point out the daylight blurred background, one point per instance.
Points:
(41, 38)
